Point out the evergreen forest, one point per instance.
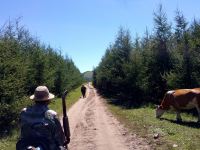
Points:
(140, 70)
(25, 63)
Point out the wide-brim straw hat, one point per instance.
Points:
(42, 94)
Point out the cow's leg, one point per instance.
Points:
(178, 116)
(198, 110)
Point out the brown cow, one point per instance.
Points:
(178, 100)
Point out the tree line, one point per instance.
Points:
(141, 71)
(25, 63)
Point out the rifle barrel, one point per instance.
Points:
(65, 117)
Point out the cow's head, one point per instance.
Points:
(159, 111)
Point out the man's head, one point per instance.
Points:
(42, 94)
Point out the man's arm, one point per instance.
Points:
(59, 134)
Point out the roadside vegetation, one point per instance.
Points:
(8, 142)
(161, 134)
(25, 63)
(71, 98)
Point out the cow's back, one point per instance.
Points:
(186, 98)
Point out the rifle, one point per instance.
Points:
(65, 119)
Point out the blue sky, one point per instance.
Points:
(83, 29)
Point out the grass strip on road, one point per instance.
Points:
(171, 135)
(9, 142)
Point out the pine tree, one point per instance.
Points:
(183, 42)
(194, 42)
(160, 62)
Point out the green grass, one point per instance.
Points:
(9, 142)
(72, 97)
(142, 121)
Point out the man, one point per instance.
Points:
(40, 126)
(83, 90)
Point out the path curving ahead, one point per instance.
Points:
(93, 127)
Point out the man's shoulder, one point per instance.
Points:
(24, 109)
(50, 114)
(83, 87)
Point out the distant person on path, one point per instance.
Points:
(83, 91)
(40, 126)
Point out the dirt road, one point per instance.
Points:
(93, 127)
